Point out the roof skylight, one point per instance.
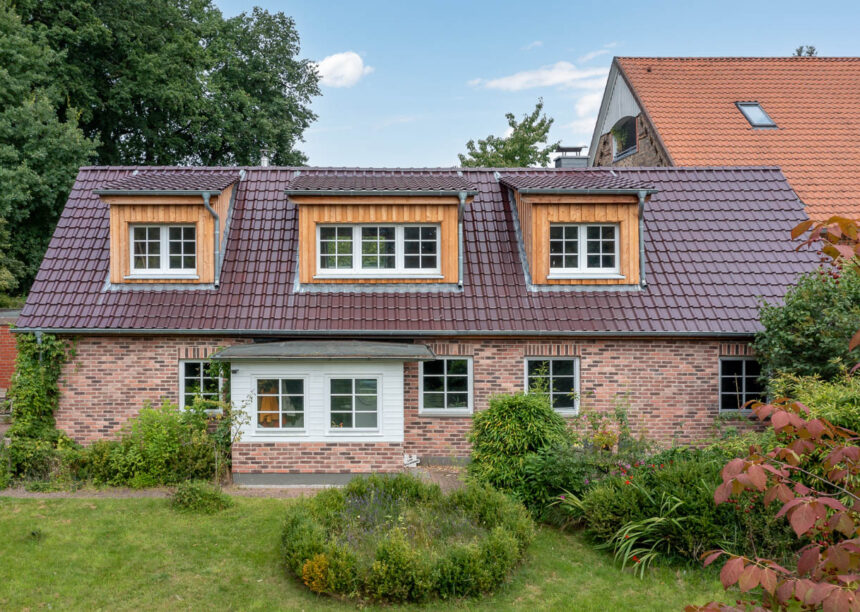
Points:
(755, 115)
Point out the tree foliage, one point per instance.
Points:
(811, 332)
(41, 148)
(806, 51)
(520, 149)
(174, 82)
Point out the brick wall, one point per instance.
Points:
(669, 387)
(7, 355)
(649, 152)
(311, 457)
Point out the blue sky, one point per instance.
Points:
(408, 83)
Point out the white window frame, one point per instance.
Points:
(398, 271)
(352, 431)
(203, 364)
(164, 270)
(447, 411)
(279, 430)
(744, 377)
(583, 271)
(576, 388)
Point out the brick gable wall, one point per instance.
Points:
(649, 151)
(670, 389)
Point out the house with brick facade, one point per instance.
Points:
(798, 113)
(367, 313)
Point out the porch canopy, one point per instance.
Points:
(327, 349)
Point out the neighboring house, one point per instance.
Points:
(798, 113)
(366, 313)
(8, 353)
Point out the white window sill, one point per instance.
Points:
(445, 413)
(582, 276)
(362, 276)
(568, 413)
(280, 432)
(134, 276)
(348, 433)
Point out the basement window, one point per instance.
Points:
(756, 115)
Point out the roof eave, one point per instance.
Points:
(595, 191)
(381, 192)
(154, 192)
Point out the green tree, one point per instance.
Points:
(174, 82)
(521, 149)
(809, 333)
(41, 148)
(806, 51)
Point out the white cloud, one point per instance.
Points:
(561, 74)
(533, 45)
(591, 55)
(588, 104)
(342, 69)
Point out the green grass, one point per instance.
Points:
(119, 554)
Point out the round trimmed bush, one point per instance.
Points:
(398, 539)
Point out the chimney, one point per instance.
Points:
(264, 157)
(577, 160)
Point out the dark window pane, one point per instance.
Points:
(608, 233)
(592, 232)
(188, 262)
(729, 401)
(410, 233)
(365, 403)
(175, 262)
(433, 383)
(293, 420)
(556, 232)
(562, 383)
(608, 261)
(428, 261)
(562, 401)
(140, 233)
(341, 403)
(154, 262)
(292, 386)
(458, 400)
(732, 366)
(556, 261)
(562, 368)
(753, 367)
(434, 400)
(341, 385)
(293, 403)
(556, 246)
(267, 386)
(458, 366)
(341, 420)
(571, 261)
(210, 385)
(428, 233)
(365, 419)
(327, 233)
(594, 261)
(411, 261)
(175, 248)
(365, 385)
(538, 366)
(192, 368)
(458, 383)
(434, 367)
(732, 384)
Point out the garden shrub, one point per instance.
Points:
(837, 400)
(398, 539)
(161, 446)
(5, 475)
(199, 496)
(808, 334)
(688, 476)
(503, 435)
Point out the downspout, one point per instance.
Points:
(206, 197)
(39, 344)
(460, 214)
(642, 267)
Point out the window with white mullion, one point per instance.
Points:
(583, 248)
(168, 250)
(378, 249)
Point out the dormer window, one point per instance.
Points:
(624, 141)
(163, 250)
(583, 249)
(369, 251)
(755, 114)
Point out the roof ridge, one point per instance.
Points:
(769, 58)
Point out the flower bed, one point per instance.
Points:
(399, 539)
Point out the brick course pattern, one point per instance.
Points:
(317, 457)
(7, 356)
(649, 152)
(670, 389)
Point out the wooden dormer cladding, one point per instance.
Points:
(139, 206)
(317, 210)
(537, 212)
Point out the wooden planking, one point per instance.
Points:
(377, 200)
(123, 216)
(443, 214)
(625, 215)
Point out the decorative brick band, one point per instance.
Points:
(453, 349)
(736, 350)
(551, 350)
(197, 352)
(321, 457)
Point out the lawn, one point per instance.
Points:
(120, 554)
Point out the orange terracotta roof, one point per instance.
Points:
(815, 102)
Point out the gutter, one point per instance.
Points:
(461, 211)
(380, 192)
(642, 266)
(149, 192)
(381, 332)
(590, 191)
(206, 196)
